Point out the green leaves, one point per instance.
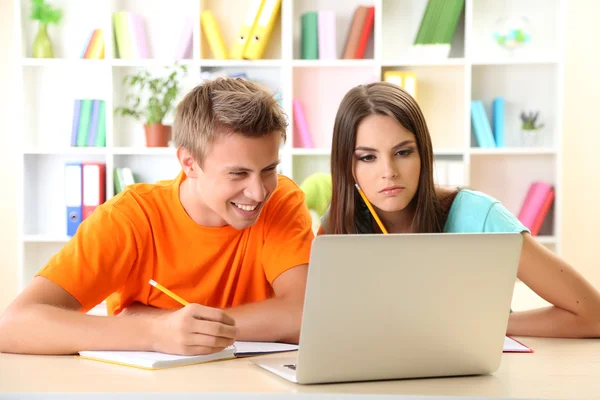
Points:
(45, 12)
(159, 92)
(529, 121)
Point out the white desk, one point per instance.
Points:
(559, 368)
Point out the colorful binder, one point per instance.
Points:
(536, 205)
(75, 123)
(481, 125)
(184, 46)
(93, 128)
(73, 196)
(95, 45)
(327, 36)
(243, 38)
(310, 36)
(366, 33)
(406, 80)
(354, 32)
(85, 116)
(93, 193)
(498, 120)
(302, 136)
(262, 30)
(211, 29)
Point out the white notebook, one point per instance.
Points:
(512, 346)
(154, 360)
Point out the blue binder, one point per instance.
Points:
(73, 196)
(498, 116)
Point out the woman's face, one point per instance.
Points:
(386, 163)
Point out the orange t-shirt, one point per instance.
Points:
(145, 233)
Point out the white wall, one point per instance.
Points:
(8, 157)
(581, 179)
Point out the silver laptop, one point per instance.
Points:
(403, 306)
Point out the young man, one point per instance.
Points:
(228, 235)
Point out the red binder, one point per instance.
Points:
(93, 189)
(366, 33)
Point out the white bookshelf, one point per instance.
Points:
(476, 69)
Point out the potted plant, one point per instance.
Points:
(45, 14)
(160, 93)
(530, 129)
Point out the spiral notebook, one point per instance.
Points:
(154, 360)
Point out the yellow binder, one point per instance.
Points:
(262, 30)
(213, 34)
(243, 38)
(406, 80)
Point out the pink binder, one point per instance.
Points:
(327, 38)
(536, 205)
(302, 136)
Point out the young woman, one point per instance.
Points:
(381, 142)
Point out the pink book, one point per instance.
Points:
(302, 136)
(536, 205)
(138, 36)
(184, 46)
(327, 38)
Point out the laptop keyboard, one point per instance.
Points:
(290, 366)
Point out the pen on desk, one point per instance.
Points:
(362, 194)
(168, 292)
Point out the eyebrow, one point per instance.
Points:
(244, 169)
(401, 144)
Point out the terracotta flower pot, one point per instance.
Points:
(157, 135)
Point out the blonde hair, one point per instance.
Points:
(225, 106)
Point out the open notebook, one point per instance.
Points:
(153, 360)
(512, 346)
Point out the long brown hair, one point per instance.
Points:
(348, 214)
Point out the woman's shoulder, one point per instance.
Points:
(475, 211)
(473, 198)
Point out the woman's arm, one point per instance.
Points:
(576, 303)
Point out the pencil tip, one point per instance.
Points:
(152, 282)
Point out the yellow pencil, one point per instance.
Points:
(362, 194)
(168, 292)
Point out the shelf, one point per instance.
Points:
(448, 152)
(311, 152)
(58, 62)
(46, 239)
(149, 62)
(515, 61)
(509, 151)
(240, 63)
(423, 62)
(141, 151)
(333, 63)
(546, 239)
(66, 151)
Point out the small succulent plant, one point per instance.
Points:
(529, 121)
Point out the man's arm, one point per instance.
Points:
(273, 320)
(45, 319)
(277, 319)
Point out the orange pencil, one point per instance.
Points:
(362, 194)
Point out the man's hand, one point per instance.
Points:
(192, 330)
